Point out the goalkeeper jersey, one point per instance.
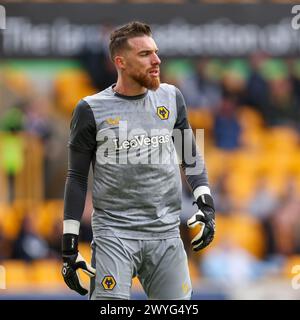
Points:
(133, 141)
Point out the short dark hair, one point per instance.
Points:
(119, 37)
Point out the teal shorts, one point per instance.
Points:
(160, 265)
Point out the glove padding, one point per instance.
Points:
(69, 272)
(205, 217)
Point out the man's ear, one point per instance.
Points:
(120, 62)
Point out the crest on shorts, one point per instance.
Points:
(162, 112)
(108, 282)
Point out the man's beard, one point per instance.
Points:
(151, 83)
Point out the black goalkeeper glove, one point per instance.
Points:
(72, 261)
(206, 218)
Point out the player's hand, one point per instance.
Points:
(72, 261)
(205, 217)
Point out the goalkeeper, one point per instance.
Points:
(137, 204)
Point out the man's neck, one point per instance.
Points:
(129, 89)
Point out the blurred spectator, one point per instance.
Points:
(12, 147)
(222, 200)
(54, 240)
(263, 205)
(175, 71)
(286, 222)
(199, 88)
(282, 108)
(294, 74)
(234, 80)
(227, 129)
(278, 99)
(12, 120)
(257, 87)
(36, 120)
(5, 246)
(29, 245)
(97, 63)
(264, 202)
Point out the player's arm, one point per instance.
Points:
(81, 151)
(193, 166)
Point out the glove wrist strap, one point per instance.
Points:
(70, 243)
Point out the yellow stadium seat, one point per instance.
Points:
(70, 87)
(194, 271)
(136, 285)
(282, 139)
(217, 162)
(253, 138)
(247, 232)
(18, 274)
(297, 182)
(240, 185)
(48, 214)
(18, 82)
(9, 221)
(200, 119)
(291, 266)
(47, 273)
(249, 118)
(85, 251)
(294, 162)
(3, 185)
(242, 229)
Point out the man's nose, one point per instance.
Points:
(155, 59)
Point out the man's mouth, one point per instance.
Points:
(154, 72)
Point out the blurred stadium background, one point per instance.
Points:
(238, 66)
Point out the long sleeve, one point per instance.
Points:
(82, 146)
(192, 161)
